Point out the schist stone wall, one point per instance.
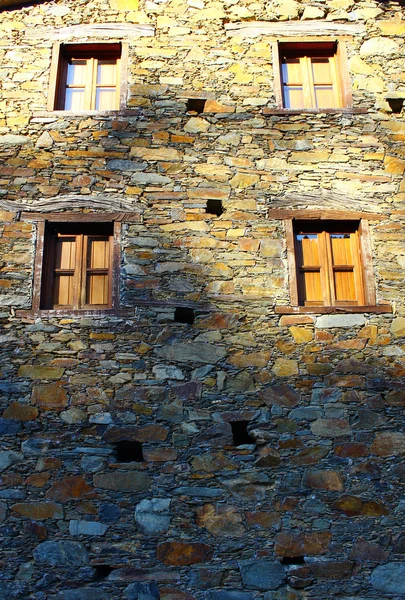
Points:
(243, 453)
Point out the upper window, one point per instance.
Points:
(87, 77)
(329, 266)
(77, 266)
(313, 75)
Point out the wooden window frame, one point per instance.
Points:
(307, 47)
(91, 53)
(364, 264)
(42, 271)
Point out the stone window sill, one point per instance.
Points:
(332, 310)
(313, 111)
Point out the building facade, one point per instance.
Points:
(201, 290)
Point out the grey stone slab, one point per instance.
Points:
(61, 554)
(131, 481)
(142, 591)
(125, 165)
(192, 352)
(153, 516)
(150, 179)
(328, 321)
(35, 446)
(87, 527)
(9, 427)
(389, 578)
(9, 458)
(262, 574)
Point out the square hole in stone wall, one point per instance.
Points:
(214, 207)
(240, 433)
(196, 105)
(183, 314)
(128, 451)
(102, 572)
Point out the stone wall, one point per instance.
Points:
(247, 454)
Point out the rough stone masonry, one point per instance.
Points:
(200, 442)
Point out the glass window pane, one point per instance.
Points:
(106, 99)
(97, 289)
(321, 70)
(76, 73)
(324, 96)
(74, 99)
(106, 72)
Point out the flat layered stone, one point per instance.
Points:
(50, 396)
(364, 550)
(182, 553)
(153, 516)
(290, 544)
(262, 574)
(77, 527)
(324, 480)
(346, 321)
(20, 412)
(130, 481)
(221, 520)
(149, 433)
(192, 352)
(69, 488)
(282, 395)
(389, 578)
(388, 444)
(331, 427)
(38, 372)
(61, 554)
(39, 510)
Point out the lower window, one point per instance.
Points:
(329, 263)
(77, 266)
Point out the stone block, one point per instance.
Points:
(61, 554)
(221, 520)
(262, 574)
(291, 544)
(130, 481)
(39, 511)
(86, 527)
(324, 480)
(39, 372)
(51, 396)
(153, 516)
(9, 458)
(389, 578)
(68, 488)
(179, 554)
(346, 321)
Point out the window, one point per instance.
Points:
(86, 77)
(328, 263)
(77, 270)
(329, 259)
(313, 75)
